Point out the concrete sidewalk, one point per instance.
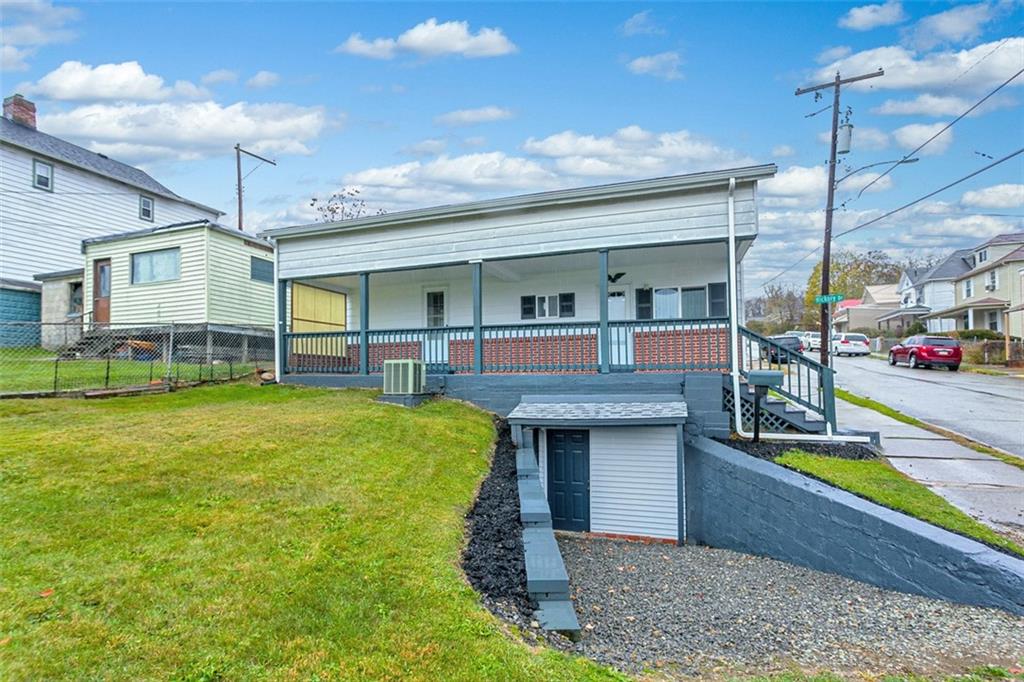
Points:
(988, 489)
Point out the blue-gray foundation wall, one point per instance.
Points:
(738, 502)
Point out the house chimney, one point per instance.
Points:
(20, 110)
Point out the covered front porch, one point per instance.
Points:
(624, 310)
(984, 313)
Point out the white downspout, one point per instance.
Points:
(734, 335)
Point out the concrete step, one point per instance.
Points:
(558, 615)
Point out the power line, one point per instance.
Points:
(944, 129)
(897, 210)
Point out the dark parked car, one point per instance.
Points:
(927, 351)
(788, 342)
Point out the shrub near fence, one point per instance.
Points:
(119, 356)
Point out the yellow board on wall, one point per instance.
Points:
(317, 310)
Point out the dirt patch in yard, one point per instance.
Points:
(772, 449)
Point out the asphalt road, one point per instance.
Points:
(986, 408)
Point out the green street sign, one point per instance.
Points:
(831, 298)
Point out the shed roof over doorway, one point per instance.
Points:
(599, 410)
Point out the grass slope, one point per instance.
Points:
(879, 482)
(246, 533)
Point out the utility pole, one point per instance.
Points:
(826, 323)
(238, 169)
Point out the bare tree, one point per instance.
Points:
(345, 204)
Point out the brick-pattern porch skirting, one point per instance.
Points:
(349, 362)
(667, 350)
(563, 354)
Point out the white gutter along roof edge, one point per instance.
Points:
(525, 201)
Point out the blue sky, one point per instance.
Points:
(427, 103)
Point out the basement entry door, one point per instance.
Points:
(568, 479)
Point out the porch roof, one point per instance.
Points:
(521, 202)
(982, 303)
(914, 311)
(599, 410)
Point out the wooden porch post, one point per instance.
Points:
(478, 318)
(282, 329)
(604, 342)
(364, 322)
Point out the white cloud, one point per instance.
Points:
(263, 79)
(474, 141)
(913, 135)
(433, 39)
(940, 105)
(867, 17)
(831, 54)
(863, 138)
(631, 152)
(467, 117)
(641, 23)
(959, 24)
(998, 196)
(26, 26)
(952, 72)
(127, 81)
(802, 186)
(218, 76)
(663, 65)
(188, 130)
(783, 150)
(429, 147)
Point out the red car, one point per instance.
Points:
(927, 351)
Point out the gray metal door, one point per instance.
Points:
(568, 479)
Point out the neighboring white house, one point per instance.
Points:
(923, 290)
(54, 194)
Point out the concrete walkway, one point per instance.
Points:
(988, 489)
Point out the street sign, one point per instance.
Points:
(831, 298)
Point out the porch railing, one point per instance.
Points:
(806, 382)
(543, 347)
(669, 345)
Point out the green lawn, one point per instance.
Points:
(244, 533)
(879, 482)
(35, 369)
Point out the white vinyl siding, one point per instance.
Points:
(43, 231)
(234, 296)
(632, 480)
(691, 216)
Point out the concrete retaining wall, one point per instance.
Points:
(738, 502)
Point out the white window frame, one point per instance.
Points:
(131, 263)
(443, 288)
(551, 312)
(143, 198)
(992, 278)
(983, 255)
(36, 163)
(992, 320)
(968, 288)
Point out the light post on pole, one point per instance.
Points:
(836, 85)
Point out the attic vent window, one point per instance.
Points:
(146, 208)
(42, 175)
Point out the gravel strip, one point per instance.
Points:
(699, 611)
(770, 449)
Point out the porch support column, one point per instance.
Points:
(364, 322)
(478, 317)
(604, 341)
(970, 318)
(282, 329)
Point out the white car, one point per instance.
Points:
(850, 344)
(812, 340)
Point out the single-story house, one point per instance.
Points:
(877, 300)
(630, 289)
(210, 281)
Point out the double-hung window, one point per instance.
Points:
(42, 175)
(547, 306)
(982, 255)
(670, 303)
(992, 280)
(156, 266)
(968, 288)
(147, 208)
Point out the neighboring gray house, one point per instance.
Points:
(54, 194)
(923, 290)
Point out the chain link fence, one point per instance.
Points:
(47, 358)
